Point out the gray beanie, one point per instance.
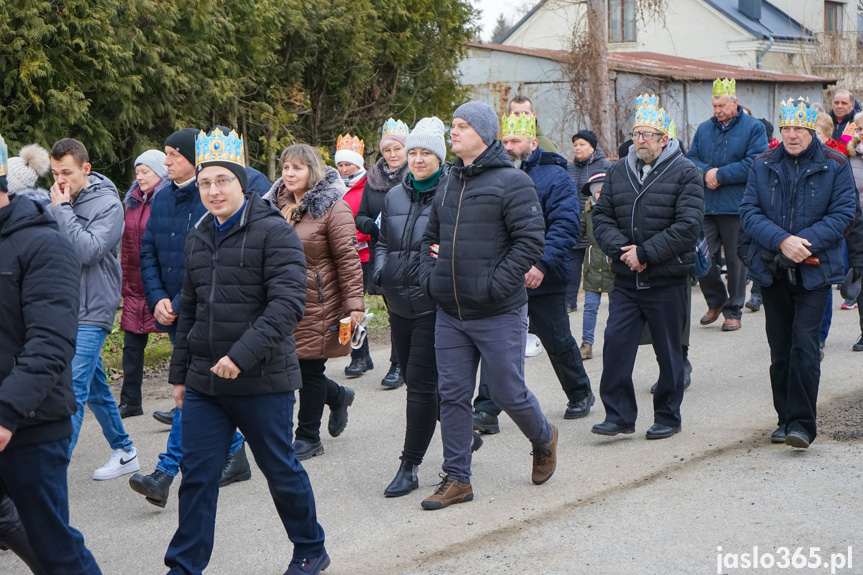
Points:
(155, 160)
(481, 118)
(428, 134)
(31, 164)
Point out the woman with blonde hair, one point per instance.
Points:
(309, 195)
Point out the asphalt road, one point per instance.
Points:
(615, 505)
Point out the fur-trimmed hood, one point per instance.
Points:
(320, 198)
(40, 195)
(379, 180)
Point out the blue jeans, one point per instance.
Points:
(34, 477)
(169, 462)
(591, 307)
(208, 425)
(91, 388)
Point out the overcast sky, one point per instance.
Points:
(492, 8)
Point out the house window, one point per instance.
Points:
(621, 20)
(832, 18)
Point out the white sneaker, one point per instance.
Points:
(121, 463)
(533, 347)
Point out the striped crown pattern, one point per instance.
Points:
(648, 113)
(395, 128)
(351, 144)
(516, 125)
(797, 113)
(4, 157)
(726, 87)
(220, 147)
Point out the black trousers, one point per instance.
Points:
(663, 308)
(413, 342)
(318, 390)
(792, 316)
(549, 321)
(722, 231)
(372, 289)
(576, 261)
(134, 345)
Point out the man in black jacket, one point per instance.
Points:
(39, 292)
(485, 231)
(647, 220)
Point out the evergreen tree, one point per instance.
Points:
(501, 27)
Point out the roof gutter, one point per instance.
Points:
(758, 62)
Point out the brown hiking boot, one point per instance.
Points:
(586, 350)
(448, 492)
(545, 459)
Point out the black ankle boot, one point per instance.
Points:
(404, 482)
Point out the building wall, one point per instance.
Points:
(550, 27)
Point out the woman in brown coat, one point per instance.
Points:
(309, 194)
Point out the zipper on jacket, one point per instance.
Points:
(407, 240)
(319, 287)
(452, 255)
(210, 300)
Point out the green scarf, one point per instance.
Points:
(426, 184)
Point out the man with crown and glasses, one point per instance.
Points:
(723, 148)
(547, 279)
(799, 204)
(647, 220)
(235, 363)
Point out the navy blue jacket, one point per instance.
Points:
(731, 148)
(811, 196)
(560, 209)
(839, 127)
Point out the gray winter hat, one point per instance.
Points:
(481, 118)
(155, 160)
(428, 134)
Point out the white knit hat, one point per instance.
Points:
(32, 163)
(428, 134)
(155, 160)
(350, 157)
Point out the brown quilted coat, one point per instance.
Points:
(334, 277)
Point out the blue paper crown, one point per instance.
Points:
(648, 113)
(797, 113)
(395, 128)
(4, 157)
(218, 147)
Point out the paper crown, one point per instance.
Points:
(219, 147)
(515, 125)
(672, 129)
(395, 128)
(351, 144)
(4, 157)
(798, 113)
(648, 113)
(724, 87)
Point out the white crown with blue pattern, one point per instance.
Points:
(797, 112)
(648, 113)
(219, 147)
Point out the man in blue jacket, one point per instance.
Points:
(173, 214)
(547, 279)
(724, 147)
(799, 204)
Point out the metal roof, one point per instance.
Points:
(653, 64)
(774, 23)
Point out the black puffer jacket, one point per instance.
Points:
(662, 216)
(397, 258)
(40, 277)
(487, 219)
(242, 299)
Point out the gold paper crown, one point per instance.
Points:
(797, 113)
(850, 129)
(351, 144)
(4, 157)
(724, 87)
(516, 125)
(219, 147)
(672, 130)
(648, 113)
(394, 128)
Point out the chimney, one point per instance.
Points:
(750, 8)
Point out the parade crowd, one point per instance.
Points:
(480, 262)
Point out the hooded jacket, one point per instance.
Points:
(730, 148)
(560, 209)
(39, 299)
(334, 277)
(136, 316)
(811, 196)
(839, 128)
(487, 220)
(242, 298)
(580, 171)
(403, 223)
(596, 271)
(661, 214)
(93, 223)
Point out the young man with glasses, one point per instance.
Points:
(650, 238)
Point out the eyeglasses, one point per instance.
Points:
(646, 136)
(220, 183)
